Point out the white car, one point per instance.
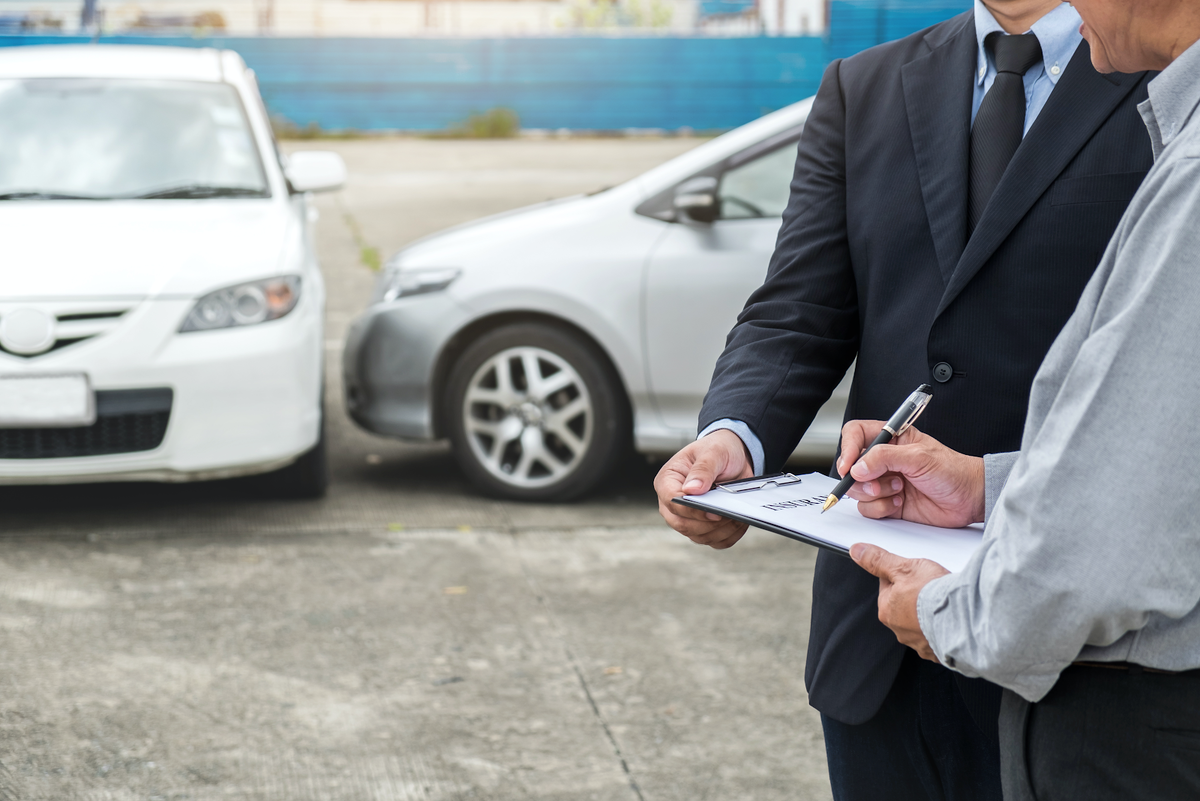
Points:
(160, 300)
(544, 341)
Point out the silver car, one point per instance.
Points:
(544, 341)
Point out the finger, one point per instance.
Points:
(703, 474)
(875, 560)
(885, 486)
(688, 522)
(719, 456)
(882, 508)
(855, 436)
(729, 538)
(669, 481)
(904, 460)
(693, 471)
(668, 485)
(722, 535)
(666, 506)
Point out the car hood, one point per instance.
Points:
(137, 249)
(488, 236)
(452, 246)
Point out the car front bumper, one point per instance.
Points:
(241, 400)
(389, 362)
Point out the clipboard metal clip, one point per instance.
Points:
(760, 482)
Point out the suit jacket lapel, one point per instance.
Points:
(1078, 106)
(937, 96)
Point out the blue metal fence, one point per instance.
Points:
(578, 83)
(589, 83)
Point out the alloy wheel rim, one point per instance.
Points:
(528, 417)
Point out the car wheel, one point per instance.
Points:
(305, 478)
(535, 413)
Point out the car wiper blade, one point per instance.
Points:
(200, 191)
(27, 195)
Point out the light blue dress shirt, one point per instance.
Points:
(1058, 33)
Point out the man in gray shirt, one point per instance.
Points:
(1084, 598)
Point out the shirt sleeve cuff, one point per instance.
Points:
(934, 598)
(745, 435)
(996, 467)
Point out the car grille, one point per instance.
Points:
(74, 322)
(127, 421)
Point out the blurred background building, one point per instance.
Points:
(552, 65)
(392, 18)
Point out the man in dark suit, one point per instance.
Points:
(953, 193)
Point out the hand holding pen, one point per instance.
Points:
(899, 422)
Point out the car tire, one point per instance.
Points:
(552, 438)
(307, 478)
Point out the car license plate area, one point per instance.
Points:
(46, 401)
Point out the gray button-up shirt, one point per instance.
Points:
(1092, 546)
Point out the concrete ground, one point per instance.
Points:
(403, 638)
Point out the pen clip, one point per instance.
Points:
(759, 482)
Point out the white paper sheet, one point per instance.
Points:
(797, 507)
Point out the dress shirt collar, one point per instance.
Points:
(1175, 94)
(1058, 33)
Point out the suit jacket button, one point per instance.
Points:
(942, 372)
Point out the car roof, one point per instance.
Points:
(112, 61)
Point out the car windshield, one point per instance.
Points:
(74, 138)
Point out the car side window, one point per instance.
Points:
(760, 187)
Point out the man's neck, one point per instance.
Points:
(1184, 32)
(1018, 16)
(1169, 36)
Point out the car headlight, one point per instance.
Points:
(400, 282)
(244, 304)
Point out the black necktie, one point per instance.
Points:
(1000, 122)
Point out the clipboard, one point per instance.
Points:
(790, 505)
(756, 484)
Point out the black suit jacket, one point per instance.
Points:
(874, 261)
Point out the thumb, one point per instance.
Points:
(875, 560)
(700, 477)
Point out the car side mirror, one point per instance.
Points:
(696, 199)
(315, 171)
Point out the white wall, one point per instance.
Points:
(358, 17)
(792, 17)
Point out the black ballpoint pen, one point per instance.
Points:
(904, 417)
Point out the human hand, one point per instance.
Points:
(915, 478)
(720, 456)
(900, 582)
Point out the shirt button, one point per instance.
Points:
(942, 372)
(1055, 70)
(983, 71)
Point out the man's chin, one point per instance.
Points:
(1099, 57)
